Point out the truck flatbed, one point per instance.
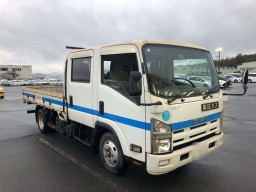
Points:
(50, 97)
(55, 91)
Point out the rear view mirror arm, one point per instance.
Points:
(238, 94)
(244, 82)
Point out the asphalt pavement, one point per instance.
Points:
(30, 161)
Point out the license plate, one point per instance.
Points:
(210, 106)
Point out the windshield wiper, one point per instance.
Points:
(169, 101)
(207, 94)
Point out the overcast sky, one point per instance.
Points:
(35, 32)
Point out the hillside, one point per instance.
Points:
(238, 60)
(53, 75)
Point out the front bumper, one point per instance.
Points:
(183, 156)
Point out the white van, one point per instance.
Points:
(126, 102)
(251, 77)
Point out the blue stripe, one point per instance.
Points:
(131, 122)
(28, 94)
(84, 110)
(56, 102)
(124, 120)
(190, 123)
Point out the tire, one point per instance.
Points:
(249, 81)
(41, 121)
(235, 81)
(111, 154)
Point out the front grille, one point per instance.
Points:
(185, 137)
(176, 141)
(197, 134)
(194, 127)
(178, 131)
(191, 142)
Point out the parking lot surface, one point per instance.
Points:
(30, 161)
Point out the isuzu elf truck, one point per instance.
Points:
(136, 102)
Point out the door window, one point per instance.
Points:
(116, 70)
(81, 70)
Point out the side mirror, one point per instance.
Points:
(135, 83)
(245, 77)
(244, 82)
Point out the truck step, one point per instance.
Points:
(83, 134)
(60, 129)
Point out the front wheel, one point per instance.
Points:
(249, 81)
(41, 121)
(111, 154)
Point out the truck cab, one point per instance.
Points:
(140, 104)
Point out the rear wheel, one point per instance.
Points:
(111, 154)
(249, 81)
(41, 121)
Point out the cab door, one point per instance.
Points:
(80, 87)
(116, 107)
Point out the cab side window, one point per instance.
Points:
(116, 70)
(81, 70)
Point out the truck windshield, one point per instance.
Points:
(174, 71)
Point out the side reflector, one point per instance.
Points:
(137, 163)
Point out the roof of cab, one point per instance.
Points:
(140, 43)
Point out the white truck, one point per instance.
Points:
(125, 101)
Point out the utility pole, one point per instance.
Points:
(219, 50)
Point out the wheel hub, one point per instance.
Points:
(110, 153)
(41, 121)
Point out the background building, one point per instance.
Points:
(199, 69)
(251, 66)
(226, 70)
(15, 71)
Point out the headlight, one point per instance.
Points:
(161, 135)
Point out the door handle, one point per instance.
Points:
(101, 106)
(71, 101)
